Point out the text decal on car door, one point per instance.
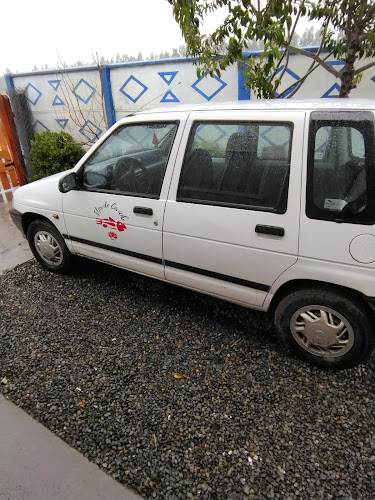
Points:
(112, 206)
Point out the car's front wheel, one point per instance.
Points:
(48, 247)
(325, 327)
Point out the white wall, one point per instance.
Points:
(73, 101)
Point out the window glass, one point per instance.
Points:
(338, 177)
(321, 141)
(357, 143)
(132, 160)
(273, 142)
(244, 164)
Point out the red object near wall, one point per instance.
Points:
(12, 167)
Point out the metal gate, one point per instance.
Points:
(12, 168)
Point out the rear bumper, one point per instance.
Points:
(17, 219)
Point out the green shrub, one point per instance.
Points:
(53, 152)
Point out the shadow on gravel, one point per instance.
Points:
(180, 395)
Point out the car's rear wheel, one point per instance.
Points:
(325, 327)
(48, 247)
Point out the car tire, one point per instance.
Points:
(48, 247)
(325, 327)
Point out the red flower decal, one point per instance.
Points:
(112, 235)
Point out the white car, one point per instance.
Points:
(270, 205)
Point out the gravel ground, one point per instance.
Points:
(97, 356)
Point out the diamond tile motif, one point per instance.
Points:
(62, 122)
(208, 88)
(84, 91)
(134, 89)
(268, 138)
(139, 139)
(288, 81)
(90, 131)
(40, 127)
(334, 91)
(221, 133)
(263, 135)
(33, 94)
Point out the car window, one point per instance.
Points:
(132, 160)
(321, 141)
(341, 168)
(240, 164)
(357, 143)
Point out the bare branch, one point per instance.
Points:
(318, 59)
(363, 68)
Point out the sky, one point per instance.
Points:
(39, 32)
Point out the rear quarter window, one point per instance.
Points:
(340, 180)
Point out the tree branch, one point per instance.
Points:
(318, 59)
(363, 68)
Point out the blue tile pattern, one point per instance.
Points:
(33, 95)
(335, 88)
(58, 101)
(222, 85)
(79, 87)
(38, 124)
(221, 132)
(139, 140)
(55, 84)
(170, 97)
(62, 122)
(293, 75)
(142, 89)
(90, 128)
(168, 76)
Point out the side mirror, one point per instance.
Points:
(68, 183)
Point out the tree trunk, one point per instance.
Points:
(347, 80)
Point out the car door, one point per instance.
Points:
(338, 216)
(232, 218)
(116, 215)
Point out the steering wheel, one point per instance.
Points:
(125, 177)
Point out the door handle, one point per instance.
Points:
(276, 231)
(143, 210)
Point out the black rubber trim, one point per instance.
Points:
(114, 249)
(17, 219)
(218, 276)
(183, 267)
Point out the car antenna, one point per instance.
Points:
(147, 103)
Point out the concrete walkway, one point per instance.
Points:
(14, 249)
(34, 463)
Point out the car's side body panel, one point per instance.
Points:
(212, 249)
(220, 243)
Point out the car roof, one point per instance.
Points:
(270, 104)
